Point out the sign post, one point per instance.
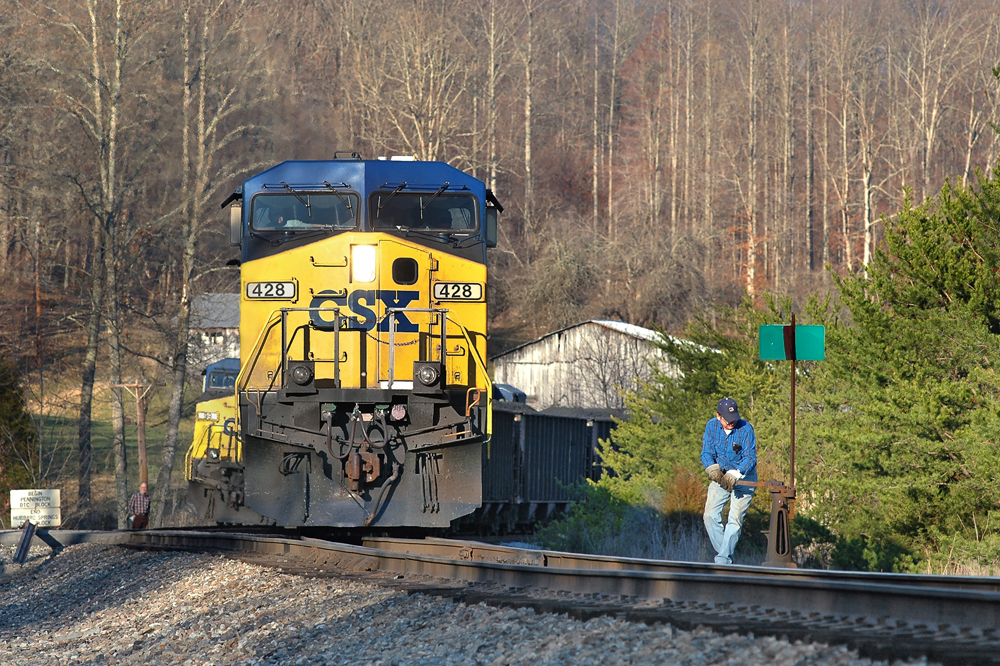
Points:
(787, 343)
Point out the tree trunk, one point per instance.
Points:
(845, 185)
(96, 272)
(493, 77)
(750, 209)
(178, 379)
(595, 167)
(810, 253)
(708, 218)
(115, 379)
(688, 109)
(616, 35)
(529, 191)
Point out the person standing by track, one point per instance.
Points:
(729, 454)
(138, 508)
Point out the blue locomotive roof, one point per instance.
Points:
(363, 176)
(225, 365)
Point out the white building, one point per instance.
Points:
(584, 366)
(215, 329)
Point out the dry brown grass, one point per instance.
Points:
(685, 493)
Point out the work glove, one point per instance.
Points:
(714, 473)
(729, 480)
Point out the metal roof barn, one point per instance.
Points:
(585, 366)
(214, 329)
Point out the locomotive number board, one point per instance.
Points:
(271, 290)
(458, 291)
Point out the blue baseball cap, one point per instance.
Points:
(728, 410)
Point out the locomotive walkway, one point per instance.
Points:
(947, 619)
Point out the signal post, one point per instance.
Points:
(787, 343)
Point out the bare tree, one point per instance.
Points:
(412, 79)
(496, 38)
(745, 155)
(980, 90)
(876, 128)
(933, 57)
(623, 29)
(94, 75)
(223, 81)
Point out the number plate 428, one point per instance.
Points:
(271, 290)
(458, 291)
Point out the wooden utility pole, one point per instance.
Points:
(141, 392)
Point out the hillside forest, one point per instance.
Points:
(656, 159)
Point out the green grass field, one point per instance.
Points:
(58, 427)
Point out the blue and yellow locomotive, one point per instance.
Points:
(363, 397)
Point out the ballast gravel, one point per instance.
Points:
(98, 604)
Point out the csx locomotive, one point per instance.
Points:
(362, 397)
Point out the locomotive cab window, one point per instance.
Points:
(428, 212)
(304, 211)
(221, 380)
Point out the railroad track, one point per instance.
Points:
(949, 619)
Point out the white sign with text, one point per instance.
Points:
(41, 507)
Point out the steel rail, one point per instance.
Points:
(882, 616)
(881, 619)
(486, 552)
(968, 610)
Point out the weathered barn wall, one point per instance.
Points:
(583, 366)
(215, 330)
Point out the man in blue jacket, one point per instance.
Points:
(729, 454)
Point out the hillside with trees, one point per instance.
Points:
(896, 430)
(654, 158)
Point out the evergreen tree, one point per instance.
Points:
(18, 439)
(903, 453)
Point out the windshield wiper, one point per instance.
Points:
(289, 234)
(272, 241)
(471, 240)
(441, 238)
(305, 202)
(344, 200)
(381, 201)
(423, 206)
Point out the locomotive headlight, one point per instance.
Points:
(427, 375)
(301, 375)
(363, 263)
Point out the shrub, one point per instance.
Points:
(18, 438)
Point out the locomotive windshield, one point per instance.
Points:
(221, 379)
(438, 213)
(304, 210)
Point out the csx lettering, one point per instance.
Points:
(361, 303)
(398, 299)
(354, 301)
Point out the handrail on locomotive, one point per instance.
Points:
(442, 314)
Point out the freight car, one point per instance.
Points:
(534, 461)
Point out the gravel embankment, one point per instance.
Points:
(96, 604)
